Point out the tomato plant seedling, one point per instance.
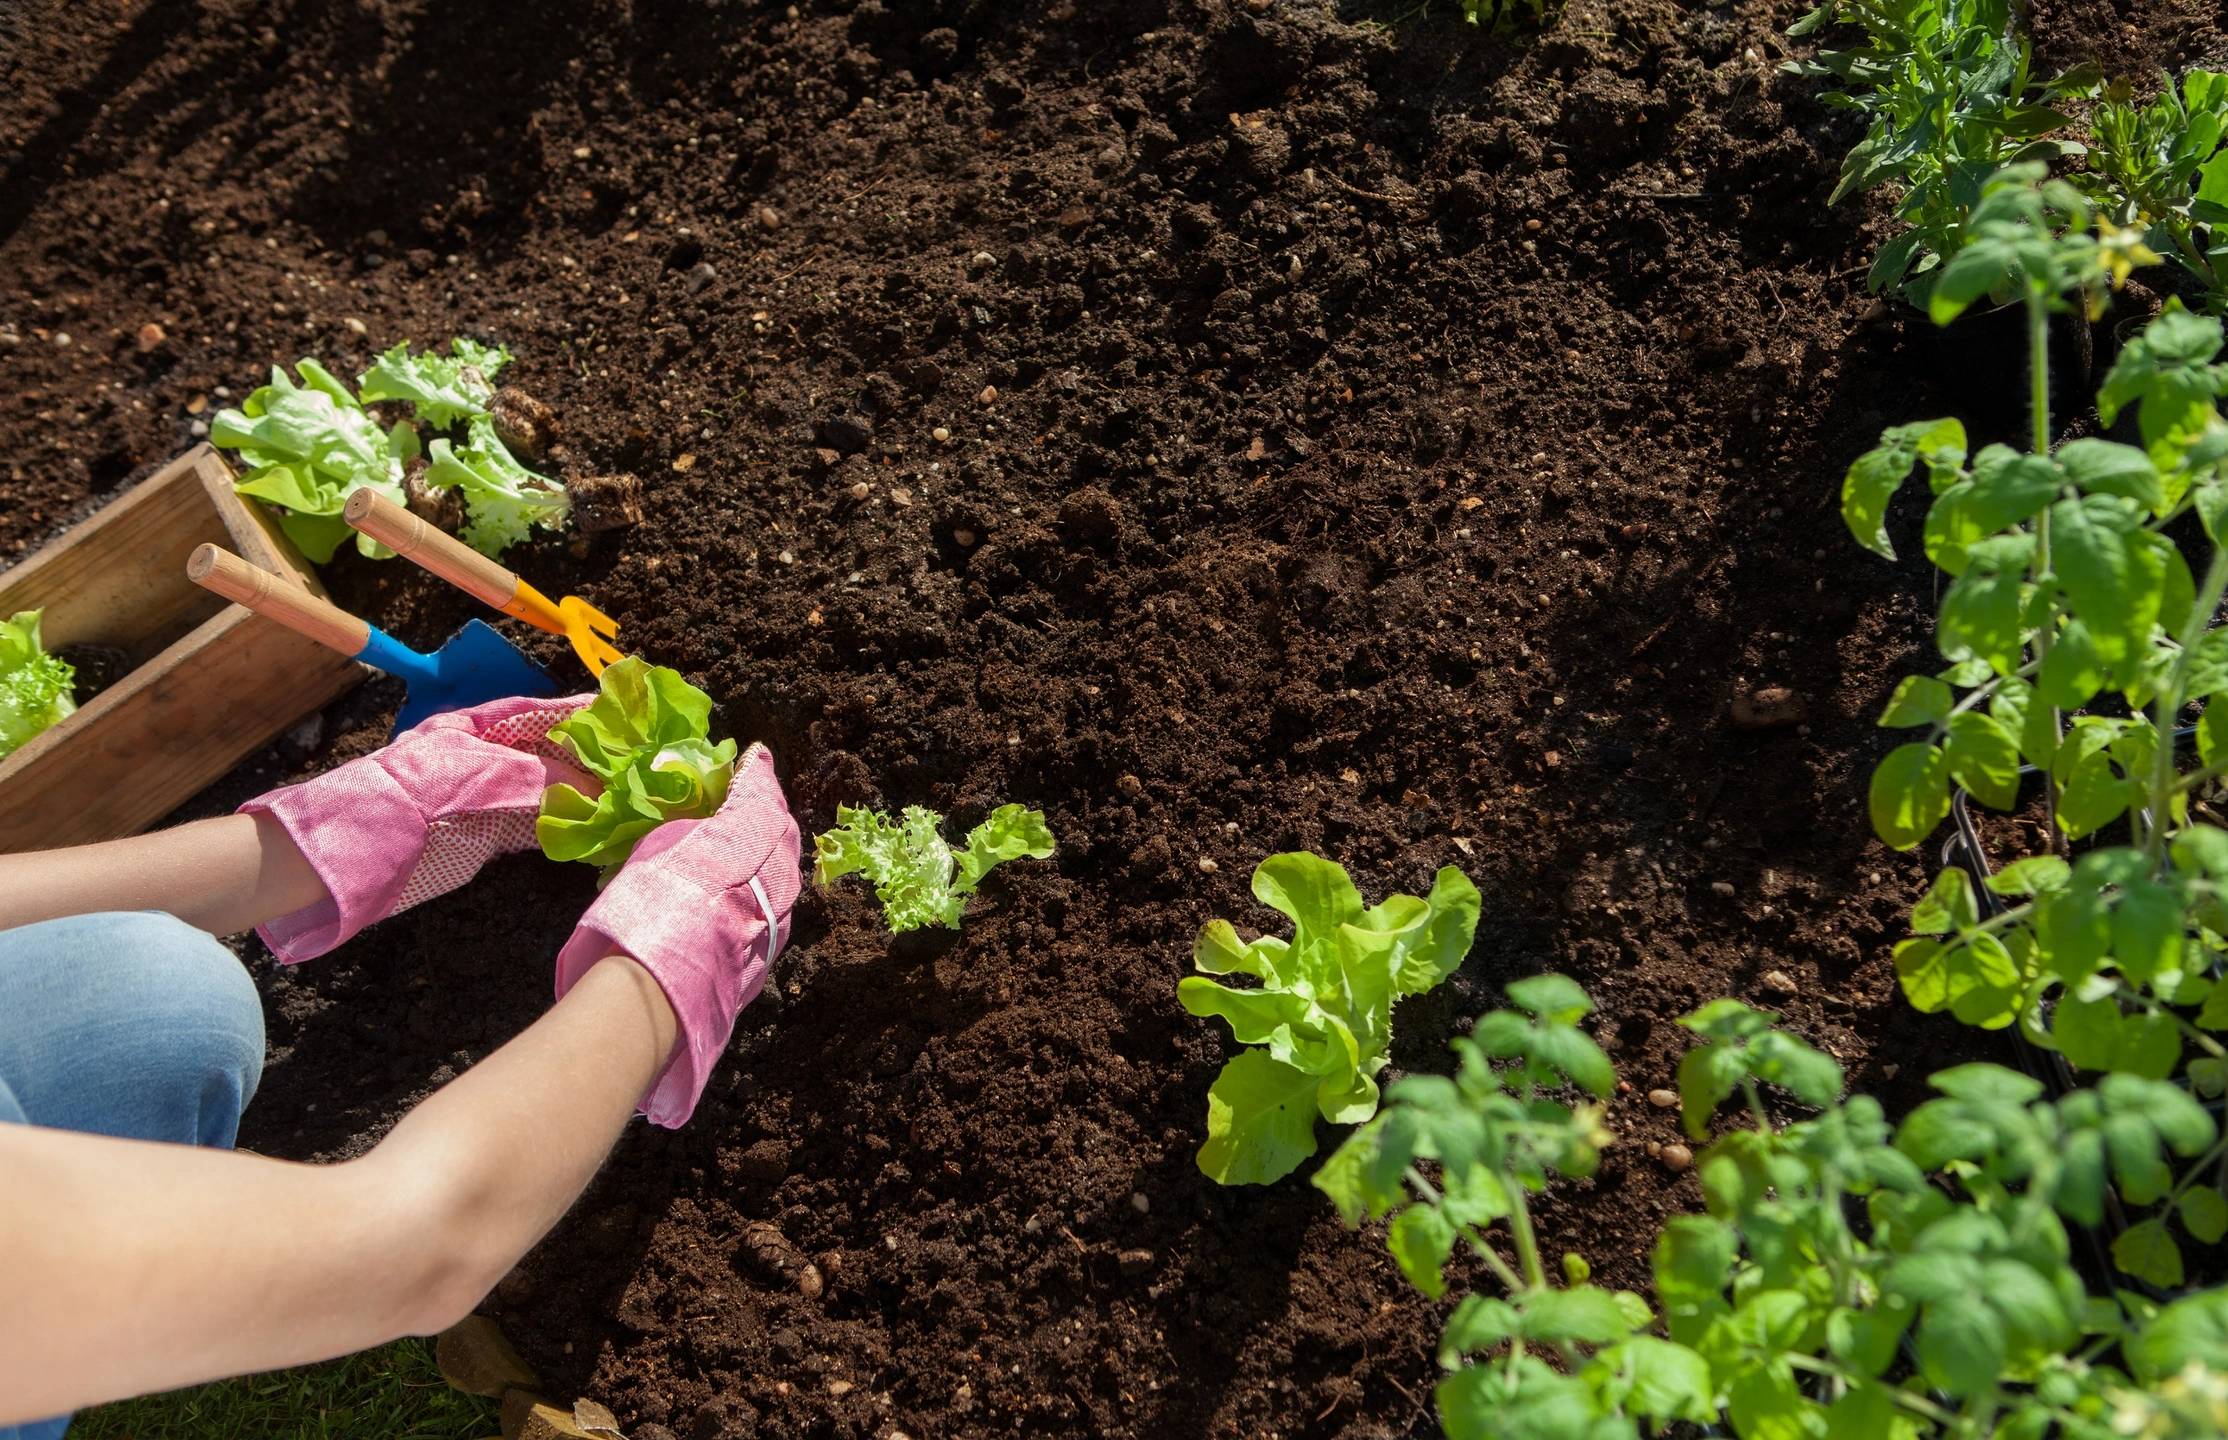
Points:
(1847, 1279)
(1321, 1012)
(2066, 589)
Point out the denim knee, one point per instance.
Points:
(132, 1024)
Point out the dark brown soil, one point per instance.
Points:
(1406, 442)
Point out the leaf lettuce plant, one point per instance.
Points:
(35, 687)
(646, 736)
(1317, 1023)
(306, 447)
(918, 878)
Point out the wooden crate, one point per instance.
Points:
(210, 682)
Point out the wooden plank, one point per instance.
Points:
(160, 735)
(214, 683)
(115, 579)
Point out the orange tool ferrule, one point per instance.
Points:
(533, 607)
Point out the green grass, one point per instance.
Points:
(392, 1393)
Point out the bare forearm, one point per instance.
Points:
(162, 1265)
(224, 875)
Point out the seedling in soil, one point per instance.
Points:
(2067, 590)
(2162, 167)
(1322, 1012)
(309, 446)
(1846, 1280)
(306, 447)
(646, 736)
(1946, 87)
(1508, 14)
(35, 687)
(917, 876)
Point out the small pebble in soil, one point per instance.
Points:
(150, 336)
(900, 496)
(355, 326)
(989, 395)
(1139, 1203)
(940, 434)
(62, 338)
(581, 152)
(1676, 1157)
(860, 490)
(1767, 707)
(963, 538)
(1722, 888)
(1663, 1099)
(769, 218)
(1779, 982)
(1207, 865)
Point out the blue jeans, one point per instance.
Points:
(134, 1025)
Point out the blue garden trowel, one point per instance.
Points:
(476, 664)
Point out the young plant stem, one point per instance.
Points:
(2161, 809)
(2038, 397)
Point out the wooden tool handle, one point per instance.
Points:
(451, 559)
(216, 569)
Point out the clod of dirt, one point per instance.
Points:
(1768, 708)
(596, 1418)
(442, 509)
(473, 1356)
(546, 1422)
(1090, 517)
(766, 1252)
(845, 434)
(1262, 151)
(523, 423)
(605, 502)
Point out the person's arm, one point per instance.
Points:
(224, 876)
(137, 1267)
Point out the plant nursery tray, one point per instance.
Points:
(207, 682)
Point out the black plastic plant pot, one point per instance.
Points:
(2093, 1244)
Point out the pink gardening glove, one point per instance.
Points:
(418, 818)
(703, 905)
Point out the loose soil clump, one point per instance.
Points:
(1228, 428)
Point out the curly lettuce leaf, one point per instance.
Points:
(306, 447)
(919, 879)
(440, 389)
(1322, 1012)
(645, 736)
(502, 498)
(35, 687)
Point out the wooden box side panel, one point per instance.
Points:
(159, 736)
(119, 578)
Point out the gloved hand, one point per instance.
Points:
(419, 817)
(703, 905)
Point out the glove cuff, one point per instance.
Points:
(340, 821)
(658, 920)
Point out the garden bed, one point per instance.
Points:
(1406, 443)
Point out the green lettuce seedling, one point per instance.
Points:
(917, 876)
(34, 686)
(646, 736)
(306, 447)
(441, 389)
(502, 498)
(1322, 1013)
